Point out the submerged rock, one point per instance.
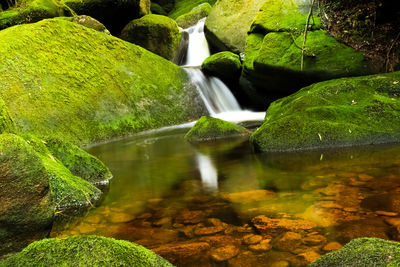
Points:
(26, 210)
(184, 253)
(191, 18)
(343, 112)
(363, 252)
(87, 87)
(229, 21)
(211, 129)
(85, 251)
(224, 65)
(158, 34)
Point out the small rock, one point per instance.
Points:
(268, 225)
(393, 221)
(280, 264)
(263, 246)
(212, 226)
(289, 241)
(121, 217)
(248, 196)
(224, 253)
(386, 213)
(252, 239)
(163, 221)
(365, 177)
(154, 201)
(314, 240)
(350, 209)
(183, 253)
(309, 256)
(145, 216)
(332, 246)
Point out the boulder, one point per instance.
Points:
(193, 16)
(6, 123)
(158, 34)
(182, 7)
(211, 129)
(31, 11)
(87, 87)
(224, 65)
(84, 251)
(26, 210)
(114, 15)
(363, 252)
(335, 113)
(228, 22)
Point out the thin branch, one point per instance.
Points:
(390, 50)
(305, 35)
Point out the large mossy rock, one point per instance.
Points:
(229, 21)
(62, 80)
(193, 16)
(113, 14)
(85, 251)
(224, 65)
(158, 34)
(6, 123)
(211, 129)
(30, 11)
(26, 210)
(363, 252)
(88, 22)
(273, 55)
(342, 112)
(182, 7)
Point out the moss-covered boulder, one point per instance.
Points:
(182, 7)
(26, 210)
(113, 14)
(6, 123)
(87, 87)
(363, 252)
(31, 11)
(85, 251)
(88, 22)
(157, 9)
(224, 65)
(193, 16)
(211, 129)
(228, 22)
(158, 34)
(342, 112)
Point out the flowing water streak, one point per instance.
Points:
(208, 172)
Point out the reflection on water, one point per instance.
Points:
(264, 209)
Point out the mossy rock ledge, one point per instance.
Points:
(224, 65)
(88, 87)
(336, 113)
(191, 18)
(85, 251)
(211, 129)
(158, 34)
(182, 7)
(363, 252)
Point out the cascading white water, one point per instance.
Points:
(216, 96)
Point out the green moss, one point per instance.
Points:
(6, 123)
(228, 23)
(85, 251)
(158, 34)
(343, 112)
(191, 18)
(31, 11)
(185, 6)
(224, 65)
(87, 87)
(210, 129)
(157, 9)
(253, 45)
(284, 16)
(363, 252)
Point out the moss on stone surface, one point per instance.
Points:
(191, 18)
(363, 252)
(342, 112)
(157, 9)
(30, 11)
(6, 123)
(87, 87)
(229, 21)
(182, 7)
(224, 65)
(85, 251)
(210, 129)
(158, 34)
(284, 16)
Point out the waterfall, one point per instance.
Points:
(217, 97)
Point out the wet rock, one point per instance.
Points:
(393, 221)
(183, 253)
(248, 196)
(211, 227)
(331, 246)
(224, 253)
(365, 228)
(365, 177)
(121, 217)
(386, 213)
(187, 231)
(86, 228)
(263, 246)
(191, 216)
(309, 256)
(166, 221)
(220, 240)
(268, 225)
(252, 239)
(314, 240)
(289, 241)
(280, 264)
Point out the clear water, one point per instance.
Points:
(197, 206)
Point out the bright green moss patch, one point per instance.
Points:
(6, 123)
(224, 65)
(185, 6)
(363, 252)
(85, 251)
(284, 16)
(87, 87)
(343, 112)
(191, 18)
(158, 34)
(210, 129)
